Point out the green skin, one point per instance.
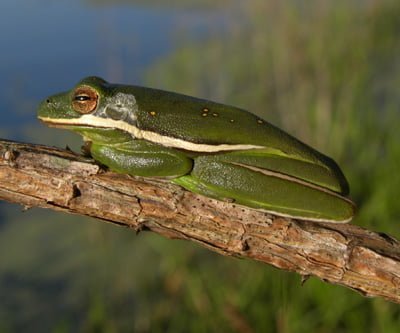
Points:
(221, 152)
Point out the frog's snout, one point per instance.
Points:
(48, 103)
(53, 106)
(45, 107)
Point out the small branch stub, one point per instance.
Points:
(344, 254)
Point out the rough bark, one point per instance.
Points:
(344, 254)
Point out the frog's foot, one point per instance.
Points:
(85, 148)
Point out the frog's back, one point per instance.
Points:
(204, 123)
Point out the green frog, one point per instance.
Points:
(213, 149)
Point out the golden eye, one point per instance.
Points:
(85, 100)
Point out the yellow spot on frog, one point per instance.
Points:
(152, 113)
(232, 120)
(205, 110)
(215, 114)
(204, 114)
(260, 121)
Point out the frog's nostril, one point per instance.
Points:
(48, 101)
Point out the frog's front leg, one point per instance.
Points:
(227, 176)
(142, 158)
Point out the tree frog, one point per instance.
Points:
(213, 149)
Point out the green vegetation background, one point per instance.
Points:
(325, 71)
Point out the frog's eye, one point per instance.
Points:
(85, 100)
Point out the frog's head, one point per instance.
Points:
(93, 102)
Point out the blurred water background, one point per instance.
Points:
(325, 71)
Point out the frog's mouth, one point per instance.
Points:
(64, 123)
(88, 121)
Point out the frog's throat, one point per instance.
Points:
(97, 122)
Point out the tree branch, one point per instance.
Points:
(344, 254)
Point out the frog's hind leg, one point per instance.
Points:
(226, 178)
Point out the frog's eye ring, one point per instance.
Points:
(84, 99)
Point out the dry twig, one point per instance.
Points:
(343, 254)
